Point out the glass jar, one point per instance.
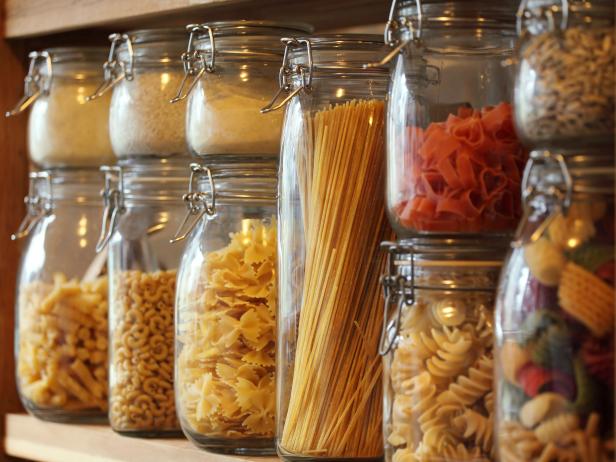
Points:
(64, 131)
(555, 316)
(226, 311)
(331, 220)
(564, 93)
(232, 68)
(454, 163)
(437, 347)
(61, 328)
(144, 68)
(143, 210)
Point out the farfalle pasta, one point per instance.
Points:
(226, 340)
(440, 369)
(62, 354)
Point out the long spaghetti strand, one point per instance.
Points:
(335, 403)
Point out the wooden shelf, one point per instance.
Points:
(29, 438)
(27, 18)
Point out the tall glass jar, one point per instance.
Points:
(226, 311)
(437, 347)
(454, 163)
(565, 82)
(64, 131)
(61, 328)
(555, 316)
(144, 68)
(231, 70)
(143, 210)
(331, 221)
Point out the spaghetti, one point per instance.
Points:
(334, 408)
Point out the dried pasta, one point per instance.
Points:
(332, 407)
(226, 341)
(441, 374)
(141, 395)
(62, 356)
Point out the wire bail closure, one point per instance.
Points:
(542, 12)
(287, 71)
(196, 202)
(395, 25)
(114, 69)
(113, 200)
(35, 83)
(194, 62)
(37, 207)
(398, 290)
(561, 196)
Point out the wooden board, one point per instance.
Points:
(25, 18)
(29, 438)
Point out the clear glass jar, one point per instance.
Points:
(438, 355)
(565, 85)
(61, 328)
(143, 210)
(331, 220)
(144, 68)
(226, 311)
(454, 163)
(63, 130)
(555, 316)
(232, 67)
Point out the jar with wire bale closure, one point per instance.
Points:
(331, 220)
(454, 160)
(61, 329)
(437, 347)
(231, 71)
(143, 70)
(565, 82)
(64, 130)
(555, 316)
(143, 208)
(226, 311)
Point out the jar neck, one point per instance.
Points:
(150, 180)
(80, 186)
(539, 16)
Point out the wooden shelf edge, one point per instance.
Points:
(29, 438)
(27, 18)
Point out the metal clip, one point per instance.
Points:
(287, 71)
(531, 192)
(113, 200)
(398, 289)
(114, 70)
(36, 206)
(194, 62)
(35, 83)
(542, 12)
(196, 202)
(394, 25)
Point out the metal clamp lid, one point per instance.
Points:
(287, 71)
(398, 290)
(560, 196)
(194, 61)
(114, 69)
(35, 83)
(412, 26)
(37, 205)
(196, 202)
(544, 10)
(113, 200)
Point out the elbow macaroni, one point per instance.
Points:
(141, 396)
(62, 356)
(226, 341)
